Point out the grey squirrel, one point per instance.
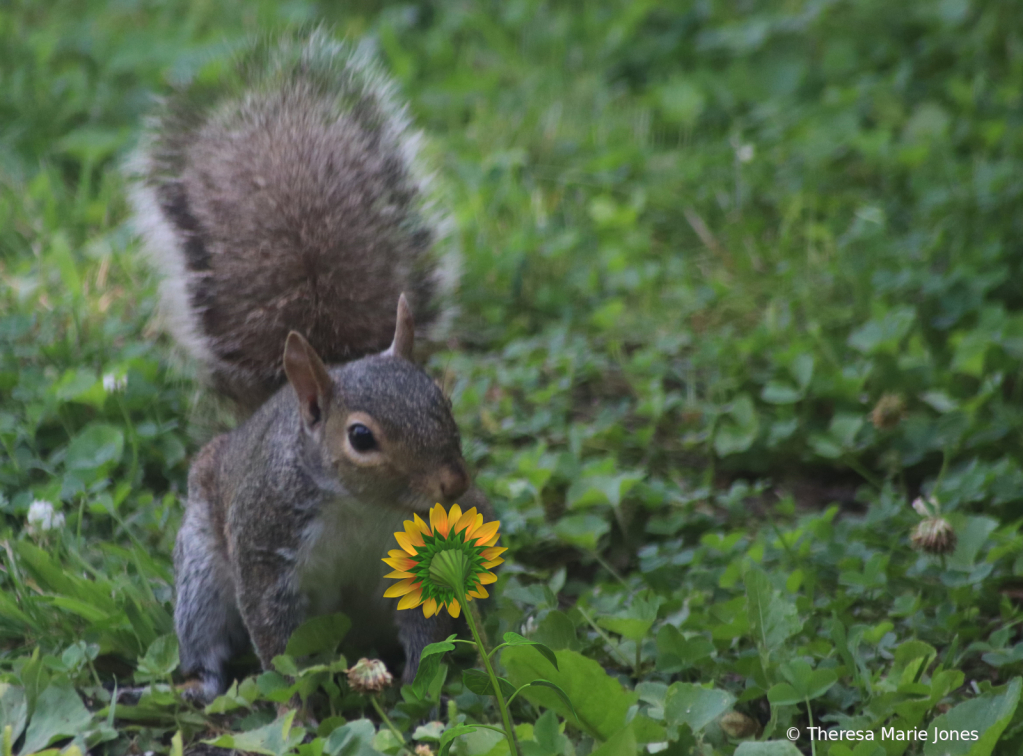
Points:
(288, 213)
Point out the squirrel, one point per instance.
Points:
(287, 210)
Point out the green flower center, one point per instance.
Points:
(444, 563)
(447, 568)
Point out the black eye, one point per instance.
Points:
(361, 437)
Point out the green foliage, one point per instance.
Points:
(430, 664)
(274, 739)
(694, 706)
(740, 283)
(319, 635)
(600, 703)
(988, 715)
(769, 748)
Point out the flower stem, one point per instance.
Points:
(386, 720)
(509, 731)
(605, 636)
(485, 648)
(813, 741)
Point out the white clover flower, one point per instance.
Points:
(933, 534)
(113, 382)
(928, 507)
(369, 676)
(42, 517)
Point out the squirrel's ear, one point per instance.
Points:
(404, 332)
(307, 376)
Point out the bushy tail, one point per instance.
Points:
(288, 196)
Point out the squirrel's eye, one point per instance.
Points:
(361, 437)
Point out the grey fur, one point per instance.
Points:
(290, 196)
(280, 523)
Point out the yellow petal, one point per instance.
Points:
(453, 608)
(430, 607)
(479, 593)
(492, 564)
(399, 574)
(490, 541)
(486, 532)
(423, 527)
(414, 533)
(486, 578)
(493, 553)
(405, 542)
(454, 515)
(465, 521)
(412, 600)
(400, 589)
(397, 554)
(439, 520)
(404, 563)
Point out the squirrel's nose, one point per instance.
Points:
(452, 481)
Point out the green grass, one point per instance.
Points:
(702, 242)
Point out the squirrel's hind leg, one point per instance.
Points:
(206, 617)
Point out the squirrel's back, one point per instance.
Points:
(288, 196)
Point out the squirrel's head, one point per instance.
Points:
(380, 423)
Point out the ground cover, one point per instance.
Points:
(742, 282)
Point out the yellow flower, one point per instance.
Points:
(469, 552)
